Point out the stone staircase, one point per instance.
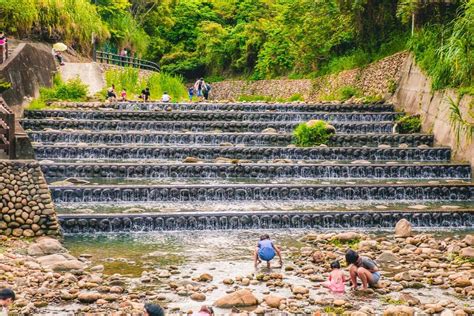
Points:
(140, 167)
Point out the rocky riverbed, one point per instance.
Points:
(424, 272)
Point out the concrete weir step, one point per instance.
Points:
(134, 137)
(197, 126)
(253, 153)
(211, 116)
(256, 171)
(262, 192)
(91, 223)
(250, 107)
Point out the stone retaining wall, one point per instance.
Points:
(26, 205)
(375, 79)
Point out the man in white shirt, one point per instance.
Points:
(166, 97)
(7, 296)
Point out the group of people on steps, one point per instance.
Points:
(201, 89)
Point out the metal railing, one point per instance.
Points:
(125, 61)
(7, 130)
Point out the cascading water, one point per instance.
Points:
(230, 166)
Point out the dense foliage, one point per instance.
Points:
(260, 38)
(312, 133)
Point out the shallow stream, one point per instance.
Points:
(223, 254)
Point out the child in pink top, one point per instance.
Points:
(336, 281)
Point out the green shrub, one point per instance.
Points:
(296, 97)
(409, 124)
(343, 94)
(266, 98)
(72, 90)
(370, 99)
(215, 78)
(348, 92)
(466, 91)
(4, 85)
(392, 86)
(254, 98)
(312, 133)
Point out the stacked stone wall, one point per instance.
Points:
(26, 205)
(374, 79)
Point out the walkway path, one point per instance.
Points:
(89, 73)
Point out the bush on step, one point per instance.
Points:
(408, 124)
(313, 133)
(72, 90)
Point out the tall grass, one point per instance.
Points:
(446, 52)
(18, 16)
(70, 21)
(130, 79)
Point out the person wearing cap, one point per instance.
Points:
(7, 296)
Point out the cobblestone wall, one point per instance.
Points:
(26, 205)
(375, 79)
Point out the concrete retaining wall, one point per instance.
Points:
(414, 96)
(30, 67)
(26, 205)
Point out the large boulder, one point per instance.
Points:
(403, 228)
(387, 257)
(240, 298)
(273, 300)
(205, 277)
(298, 289)
(88, 297)
(61, 263)
(467, 252)
(400, 310)
(45, 246)
(347, 236)
(469, 240)
(198, 297)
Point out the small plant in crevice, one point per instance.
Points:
(459, 125)
(392, 86)
(352, 243)
(4, 85)
(373, 99)
(408, 124)
(342, 94)
(313, 133)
